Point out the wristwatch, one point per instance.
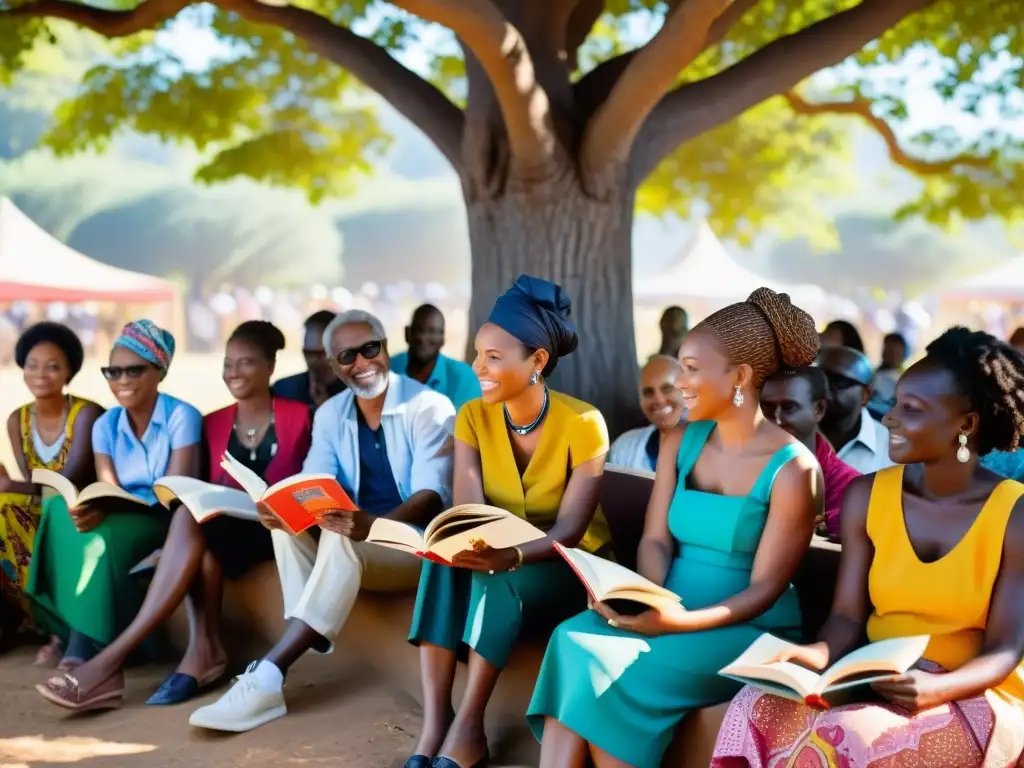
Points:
(519, 559)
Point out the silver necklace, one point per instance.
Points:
(251, 438)
(526, 429)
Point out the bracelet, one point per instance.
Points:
(519, 559)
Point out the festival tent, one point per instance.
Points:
(1005, 283)
(706, 274)
(34, 266)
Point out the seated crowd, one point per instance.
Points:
(761, 434)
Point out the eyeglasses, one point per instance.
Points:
(115, 372)
(368, 351)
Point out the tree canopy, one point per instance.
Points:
(279, 93)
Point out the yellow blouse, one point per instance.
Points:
(949, 598)
(573, 433)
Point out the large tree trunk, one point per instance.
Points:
(553, 230)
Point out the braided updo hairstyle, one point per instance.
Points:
(990, 374)
(765, 332)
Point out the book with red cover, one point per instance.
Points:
(298, 501)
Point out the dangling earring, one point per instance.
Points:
(737, 399)
(963, 453)
(534, 378)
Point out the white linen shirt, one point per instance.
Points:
(869, 451)
(418, 425)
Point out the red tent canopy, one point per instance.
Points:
(35, 266)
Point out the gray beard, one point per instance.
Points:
(369, 391)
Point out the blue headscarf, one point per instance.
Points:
(536, 312)
(150, 342)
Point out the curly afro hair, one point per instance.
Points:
(54, 333)
(991, 376)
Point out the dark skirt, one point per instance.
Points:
(239, 545)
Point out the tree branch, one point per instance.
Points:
(502, 53)
(649, 75)
(415, 98)
(862, 108)
(696, 108)
(148, 15)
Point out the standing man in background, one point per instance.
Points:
(317, 383)
(675, 324)
(424, 362)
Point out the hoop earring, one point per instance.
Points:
(534, 378)
(963, 453)
(737, 399)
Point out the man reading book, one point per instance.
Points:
(387, 439)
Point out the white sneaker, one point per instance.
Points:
(248, 704)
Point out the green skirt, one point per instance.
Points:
(457, 608)
(82, 578)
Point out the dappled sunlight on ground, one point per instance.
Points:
(70, 749)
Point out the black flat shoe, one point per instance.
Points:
(417, 761)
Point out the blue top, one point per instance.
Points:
(378, 494)
(297, 388)
(173, 425)
(452, 378)
(1006, 463)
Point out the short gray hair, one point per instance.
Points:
(352, 317)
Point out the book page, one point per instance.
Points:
(59, 483)
(205, 500)
(101, 490)
(391, 532)
(508, 531)
(251, 482)
(608, 580)
(888, 657)
(459, 513)
(752, 665)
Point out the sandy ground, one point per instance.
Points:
(345, 720)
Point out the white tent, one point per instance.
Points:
(1005, 283)
(34, 266)
(705, 272)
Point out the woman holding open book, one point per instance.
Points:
(538, 454)
(730, 516)
(933, 546)
(270, 436)
(52, 432)
(84, 551)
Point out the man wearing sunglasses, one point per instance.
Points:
(318, 382)
(388, 441)
(859, 440)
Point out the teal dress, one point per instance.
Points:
(626, 693)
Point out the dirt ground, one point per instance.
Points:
(343, 720)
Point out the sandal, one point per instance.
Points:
(64, 692)
(49, 655)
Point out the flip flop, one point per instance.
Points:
(179, 687)
(64, 692)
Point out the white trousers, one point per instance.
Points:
(320, 582)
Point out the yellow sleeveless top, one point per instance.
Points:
(947, 599)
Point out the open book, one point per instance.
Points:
(298, 501)
(616, 586)
(92, 492)
(877, 661)
(469, 526)
(205, 500)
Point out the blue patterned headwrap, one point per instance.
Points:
(149, 341)
(536, 312)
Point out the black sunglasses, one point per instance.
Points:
(115, 372)
(368, 351)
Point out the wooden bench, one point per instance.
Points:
(377, 629)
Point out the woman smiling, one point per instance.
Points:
(84, 554)
(270, 436)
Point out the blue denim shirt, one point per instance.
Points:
(452, 378)
(140, 463)
(417, 425)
